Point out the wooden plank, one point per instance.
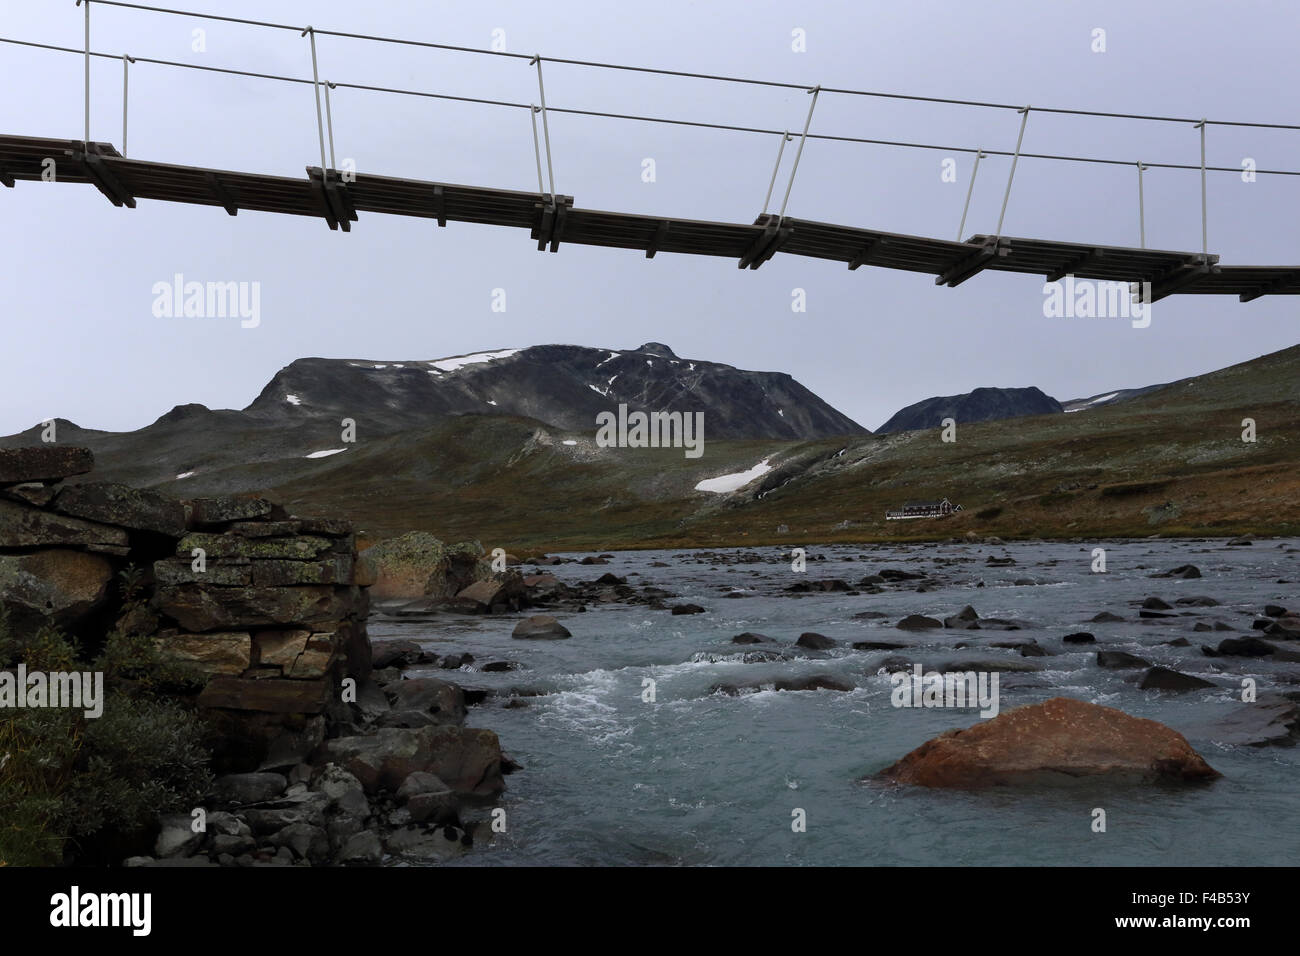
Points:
(1079, 262)
(1280, 284)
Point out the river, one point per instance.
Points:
(702, 778)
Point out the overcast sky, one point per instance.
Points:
(76, 274)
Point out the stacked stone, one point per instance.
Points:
(271, 606)
(271, 609)
(61, 545)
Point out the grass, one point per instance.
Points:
(1105, 472)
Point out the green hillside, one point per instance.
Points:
(1171, 462)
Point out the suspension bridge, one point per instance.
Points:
(338, 196)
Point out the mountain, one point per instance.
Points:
(564, 386)
(1169, 461)
(298, 417)
(981, 405)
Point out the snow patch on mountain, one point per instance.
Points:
(475, 358)
(734, 482)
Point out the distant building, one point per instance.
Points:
(923, 509)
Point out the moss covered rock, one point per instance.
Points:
(417, 564)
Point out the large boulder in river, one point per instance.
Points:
(417, 565)
(1246, 647)
(1058, 740)
(495, 593)
(540, 627)
(1163, 678)
(428, 695)
(481, 593)
(918, 622)
(814, 641)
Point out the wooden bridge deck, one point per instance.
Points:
(326, 195)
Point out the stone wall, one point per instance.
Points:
(269, 608)
(267, 613)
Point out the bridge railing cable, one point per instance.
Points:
(595, 64)
(326, 118)
(641, 118)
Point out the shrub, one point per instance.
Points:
(68, 782)
(141, 759)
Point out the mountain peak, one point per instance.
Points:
(658, 348)
(564, 386)
(983, 404)
(182, 413)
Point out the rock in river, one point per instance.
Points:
(1120, 660)
(1059, 740)
(1162, 678)
(540, 627)
(918, 622)
(814, 641)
